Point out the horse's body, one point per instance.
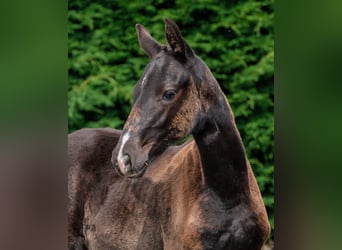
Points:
(199, 195)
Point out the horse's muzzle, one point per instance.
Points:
(124, 167)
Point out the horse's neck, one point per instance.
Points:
(223, 159)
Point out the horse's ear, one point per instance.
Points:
(180, 47)
(146, 41)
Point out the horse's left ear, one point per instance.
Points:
(180, 47)
(147, 42)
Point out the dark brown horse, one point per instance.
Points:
(199, 195)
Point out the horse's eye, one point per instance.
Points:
(169, 95)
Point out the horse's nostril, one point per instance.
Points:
(126, 160)
(124, 164)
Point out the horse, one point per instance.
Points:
(140, 188)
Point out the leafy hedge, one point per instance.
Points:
(234, 38)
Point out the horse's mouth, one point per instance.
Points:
(131, 171)
(138, 172)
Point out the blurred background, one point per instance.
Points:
(234, 38)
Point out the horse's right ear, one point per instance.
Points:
(146, 41)
(180, 48)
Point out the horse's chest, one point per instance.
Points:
(211, 226)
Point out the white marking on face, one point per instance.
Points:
(143, 81)
(125, 138)
(148, 72)
(121, 161)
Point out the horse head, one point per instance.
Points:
(166, 101)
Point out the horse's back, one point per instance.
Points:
(89, 143)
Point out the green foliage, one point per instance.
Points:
(234, 38)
